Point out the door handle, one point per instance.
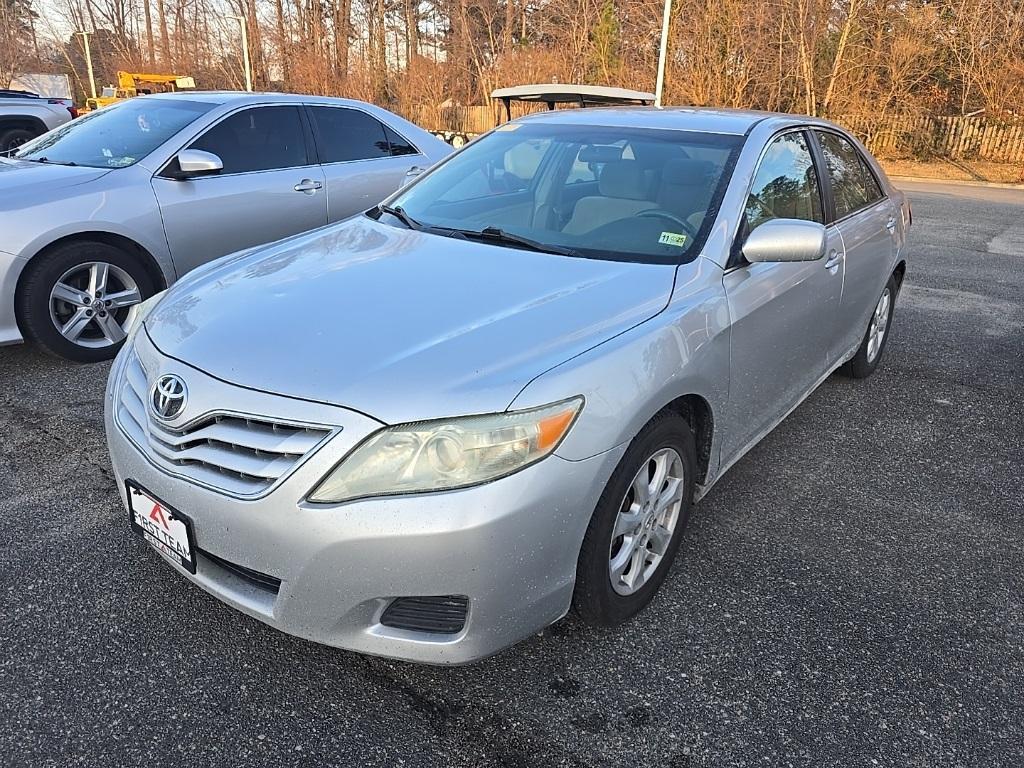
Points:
(414, 171)
(891, 224)
(308, 186)
(832, 262)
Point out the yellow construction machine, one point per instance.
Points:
(130, 84)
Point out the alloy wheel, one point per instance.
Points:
(646, 521)
(879, 325)
(92, 303)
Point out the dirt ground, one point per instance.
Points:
(957, 170)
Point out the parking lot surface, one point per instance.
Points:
(851, 593)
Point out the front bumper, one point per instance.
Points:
(510, 546)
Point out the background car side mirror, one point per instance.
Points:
(194, 162)
(785, 240)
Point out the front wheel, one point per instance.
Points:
(637, 526)
(76, 300)
(869, 354)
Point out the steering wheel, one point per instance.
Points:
(660, 213)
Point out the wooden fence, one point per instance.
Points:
(976, 137)
(922, 136)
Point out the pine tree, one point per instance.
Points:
(605, 40)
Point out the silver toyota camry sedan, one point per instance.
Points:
(433, 429)
(103, 212)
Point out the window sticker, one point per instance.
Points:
(672, 238)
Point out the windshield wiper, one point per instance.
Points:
(496, 235)
(399, 213)
(48, 161)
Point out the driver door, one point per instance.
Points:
(784, 313)
(269, 188)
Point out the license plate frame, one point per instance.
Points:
(164, 528)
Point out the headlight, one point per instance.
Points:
(449, 453)
(139, 315)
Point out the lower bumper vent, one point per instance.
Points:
(259, 580)
(445, 614)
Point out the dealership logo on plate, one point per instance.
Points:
(169, 396)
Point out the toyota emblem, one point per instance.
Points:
(168, 398)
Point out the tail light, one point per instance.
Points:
(63, 102)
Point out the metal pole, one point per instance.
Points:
(88, 63)
(661, 54)
(245, 54)
(245, 50)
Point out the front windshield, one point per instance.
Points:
(601, 192)
(115, 136)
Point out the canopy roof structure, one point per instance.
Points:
(569, 93)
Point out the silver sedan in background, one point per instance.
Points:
(433, 429)
(105, 211)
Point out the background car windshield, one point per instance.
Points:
(603, 192)
(115, 136)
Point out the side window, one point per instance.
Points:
(786, 184)
(853, 184)
(348, 134)
(258, 139)
(399, 146)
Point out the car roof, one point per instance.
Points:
(704, 119)
(245, 97)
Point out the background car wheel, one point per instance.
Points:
(871, 348)
(76, 300)
(14, 138)
(638, 524)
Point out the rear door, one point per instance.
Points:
(782, 314)
(867, 221)
(362, 159)
(270, 187)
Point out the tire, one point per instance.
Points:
(92, 311)
(872, 347)
(601, 598)
(14, 138)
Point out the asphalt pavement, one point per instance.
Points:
(850, 594)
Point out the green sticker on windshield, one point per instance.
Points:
(672, 238)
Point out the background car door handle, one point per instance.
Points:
(832, 262)
(414, 171)
(891, 224)
(308, 186)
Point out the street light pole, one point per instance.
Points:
(662, 53)
(245, 50)
(88, 61)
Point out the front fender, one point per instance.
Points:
(125, 207)
(684, 350)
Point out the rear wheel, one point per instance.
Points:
(869, 354)
(13, 138)
(76, 300)
(638, 523)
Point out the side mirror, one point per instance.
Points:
(194, 162)
(785, 240)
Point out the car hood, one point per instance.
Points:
(399, 324)
(20, 179)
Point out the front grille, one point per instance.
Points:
(237, 454)
(445, 614)
(259, 580)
